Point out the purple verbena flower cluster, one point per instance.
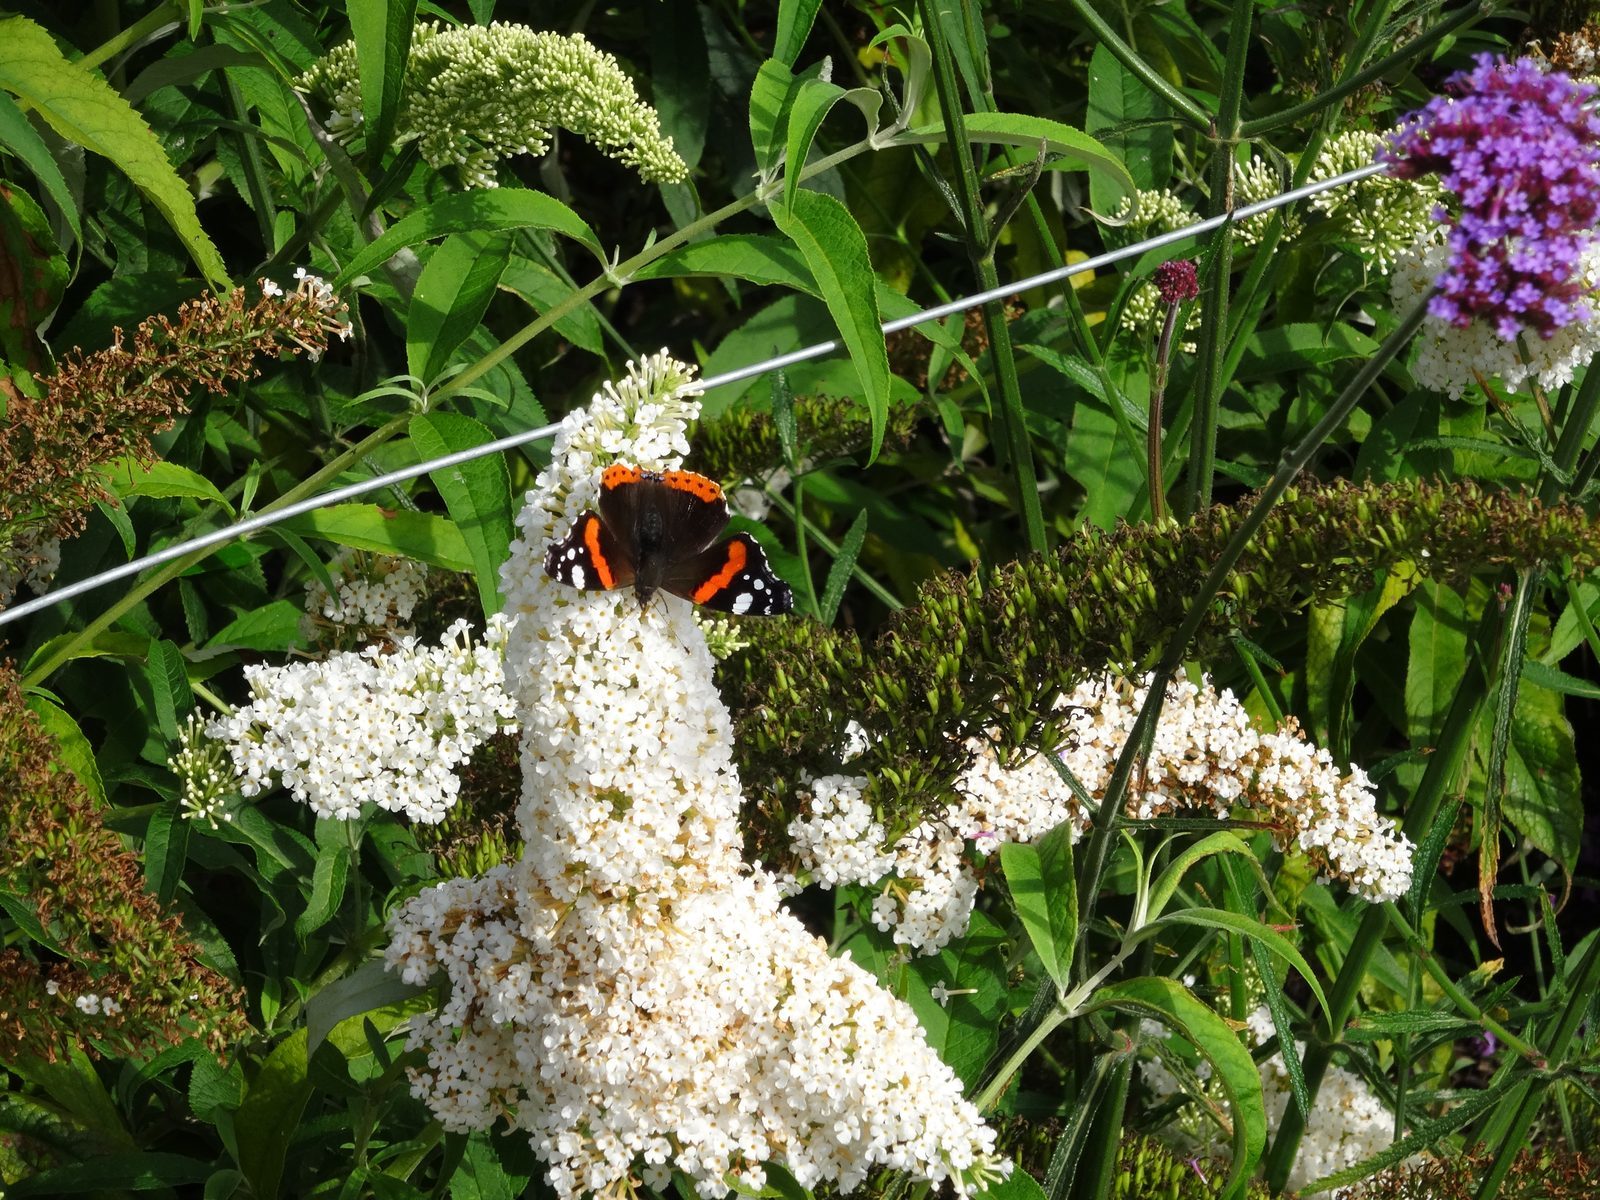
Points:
(1520, 148)
(1177, 281)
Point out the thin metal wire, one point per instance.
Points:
(378, 482)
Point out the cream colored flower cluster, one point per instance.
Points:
(479, 94)
(1451, 359)
(1207, 754)
(1382, 216)
(1348, 1123)
(388, 726)
(630, 993)
(370, 591)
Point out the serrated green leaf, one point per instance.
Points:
(72, 748)
(497, 209)
(835, 249)
(213, 1086)
(771, 93)
(808, 108)
(166, 850)
(1175, 1007)
(162, 480)
(266, 1121)
(169, 685)
(544, 290)
(452, 294)
(1544, 794)
(274, 626)
(382, 32)
(843, 563)
(477, 493)
(84, 109)
(795, 18)
(328, 881)
(1221, 918)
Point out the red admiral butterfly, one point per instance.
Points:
(656, 531)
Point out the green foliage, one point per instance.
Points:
(508, 214)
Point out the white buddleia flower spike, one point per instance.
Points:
(631, 994)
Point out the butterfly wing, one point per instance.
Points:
(589, 557)
(733, 577)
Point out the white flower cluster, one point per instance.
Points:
(1254, 182)
(1347, 1125)
(631, 993)
(1162, 211)
(1381, 216)
(387, 726)
(1206, 754)
(478, 94)
(1450, 359)
(376, 591)
(27, 559)
(205, 770)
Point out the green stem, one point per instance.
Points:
(1143, 71)
(1208, 380)
(1012, 422)
(1586, 980)
(158, 17)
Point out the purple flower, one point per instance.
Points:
(1520, 148)
(1177, 281)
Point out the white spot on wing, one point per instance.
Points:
(577, 577)
(742, 603)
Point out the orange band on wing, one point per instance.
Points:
(695, 484)
(735, 564)
(591, 542)
(619, 473)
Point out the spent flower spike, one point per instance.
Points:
(630, 993)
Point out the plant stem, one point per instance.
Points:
(1209, 375)
(1143, 71)
(157, 18)
(1013, 425)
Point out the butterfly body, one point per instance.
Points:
(658, 532)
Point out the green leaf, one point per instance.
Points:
(835, 249)
(812, 100)
(1544, 794)
(477, 493)
(1557, 680)
(497, 209)
(135, 1171)
(213, 1086)
(1045, 892)
(169, 684)
(369, 987)
(844, 562)
(757, 257)
(328, 881)
(266, 1121)
(544, 290)
(1221, 918)
(422, 536)
(382, 31)
(452, 294)
(274, 626)
(795, 18)
(1437, 658)
(72, 748)
(1072, 149)
(160, 480)
(25, 916)
(771, 94)
(1126, 114)
(84, 109)
(166, 850)
(1224, 841)
(19, 137)
(113, 643)
(1175, 1007)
